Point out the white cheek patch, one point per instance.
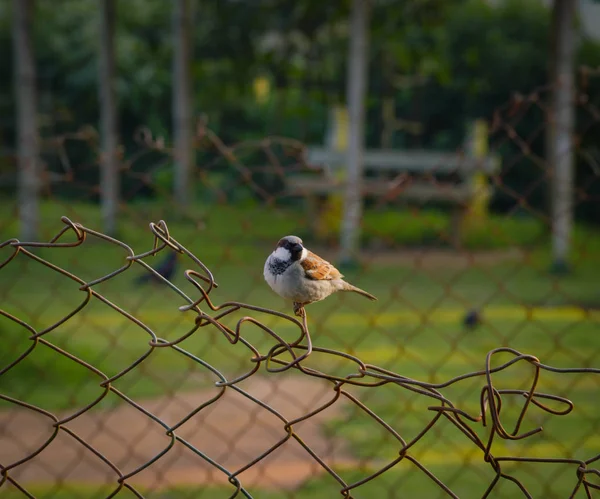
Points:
(282, 254)
(304, 254)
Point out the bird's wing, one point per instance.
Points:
(318, 269)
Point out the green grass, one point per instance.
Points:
(468, 478)
(431, 227)
(78, 491)
(414, 329)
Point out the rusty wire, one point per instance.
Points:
(209, 315)
(272, 359)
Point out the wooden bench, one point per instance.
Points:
(417, 177)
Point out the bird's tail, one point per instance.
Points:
(350, 287)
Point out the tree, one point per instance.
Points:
(561, 127)
(109, 159)
(356, 96)
(182, 102)
(29, 164)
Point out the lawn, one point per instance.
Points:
(415, 329)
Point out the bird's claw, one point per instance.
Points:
(299, 310)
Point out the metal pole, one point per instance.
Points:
(562, 123)
(110, 184)
(29, 180)
(356, 96)
(182, 102)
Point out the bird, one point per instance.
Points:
(298, 275)
(472, 319)
(165, 268)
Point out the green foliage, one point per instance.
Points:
(490, 53)
(432, 227)
(443, 63)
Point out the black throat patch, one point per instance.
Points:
(278, 267)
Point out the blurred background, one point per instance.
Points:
(442, 153)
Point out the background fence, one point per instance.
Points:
(476, 373)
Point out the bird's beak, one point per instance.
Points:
(297, 248)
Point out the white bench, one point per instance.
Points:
(418, 177)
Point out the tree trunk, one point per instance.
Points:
(29, 165)
(182, 103)
(356, 96)
(560, 137)
(109, 159)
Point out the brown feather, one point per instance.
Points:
(318, 269)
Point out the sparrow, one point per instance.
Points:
(298, 275)
(472, 319)
(165, 268)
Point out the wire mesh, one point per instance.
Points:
(273, 361)
(142, 387)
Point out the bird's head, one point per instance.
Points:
(290, 248)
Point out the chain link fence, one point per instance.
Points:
(127, 372)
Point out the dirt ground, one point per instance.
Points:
(431, 258)
(435, 258)
(233, 431)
